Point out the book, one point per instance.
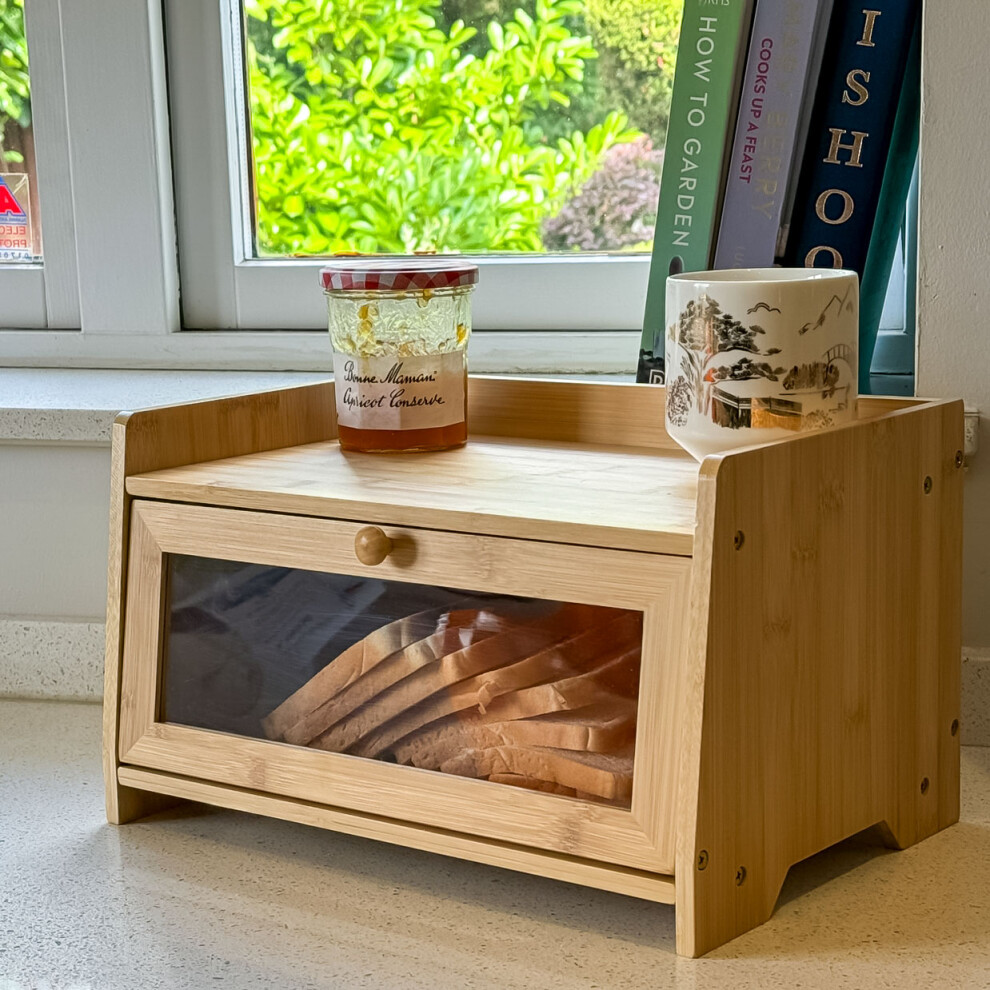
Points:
(891, 208)
(710, 56)
(851, 126)
(782, 64)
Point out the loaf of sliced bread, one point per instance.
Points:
(618, 676)
(521, 640)
(350, 665)
(583, 656)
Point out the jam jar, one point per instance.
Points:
(399, 329)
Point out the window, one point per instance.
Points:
(103, 191)
(137, 155)
(21, 281)
(233, 287)
(20, 238)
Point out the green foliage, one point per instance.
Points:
(586, 107)
(15, 88)
(375, 129)
(637, 46)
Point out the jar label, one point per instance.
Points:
(392, 393)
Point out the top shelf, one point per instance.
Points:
(558, 461)
(627, 498)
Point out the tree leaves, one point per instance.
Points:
(15, 86)
(373, 130)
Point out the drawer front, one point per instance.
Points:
(512, 689)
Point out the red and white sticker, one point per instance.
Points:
(391, 393)
(15, 218)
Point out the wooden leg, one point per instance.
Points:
(725, 899)
(126, 804)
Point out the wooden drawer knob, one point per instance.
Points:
(371, 545)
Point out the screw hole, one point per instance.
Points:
(959, 458)
(740, 876)
(702, 859)
(954, 728)
(739, 539)
(928, 484)
(924, 785)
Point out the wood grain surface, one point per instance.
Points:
(162, 438)
(634, 499)
(801, 600)
(623, 880)
(824, 662)
(654, 584)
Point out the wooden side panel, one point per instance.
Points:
(159, 438)
(824, 679)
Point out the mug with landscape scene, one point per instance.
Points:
(758, 354)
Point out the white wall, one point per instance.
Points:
(54, 509)
(54, 530)
(954, 258)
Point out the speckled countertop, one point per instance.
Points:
(204, 898)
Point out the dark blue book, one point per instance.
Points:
(852, 121)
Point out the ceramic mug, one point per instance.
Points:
(757, 354)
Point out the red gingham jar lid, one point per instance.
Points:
(396, 274)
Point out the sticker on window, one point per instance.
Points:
(15, 218)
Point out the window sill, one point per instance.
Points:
(492, 351)
(78, 406)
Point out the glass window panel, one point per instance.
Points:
(508, 128)
(457, 125)
(20, 227)
(533, 693)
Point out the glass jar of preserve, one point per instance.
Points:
(400, 330)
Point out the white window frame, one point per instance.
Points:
(109, 266)
(45, 295)
(224, 287)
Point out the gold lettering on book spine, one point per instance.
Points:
(857, 87)
(812, 255)
(871, 18)
(855, 149)
(847, 206)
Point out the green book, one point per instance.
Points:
(890, 210)
(710, 57)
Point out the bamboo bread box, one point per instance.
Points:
(566, 648)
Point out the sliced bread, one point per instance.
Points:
(518, 642)
(350, 665)
(607, 727)
(604, 776)
(462, 628)
(587, 654)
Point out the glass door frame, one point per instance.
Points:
(655, 584)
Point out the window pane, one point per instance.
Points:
(20, 228)
(457, 125)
